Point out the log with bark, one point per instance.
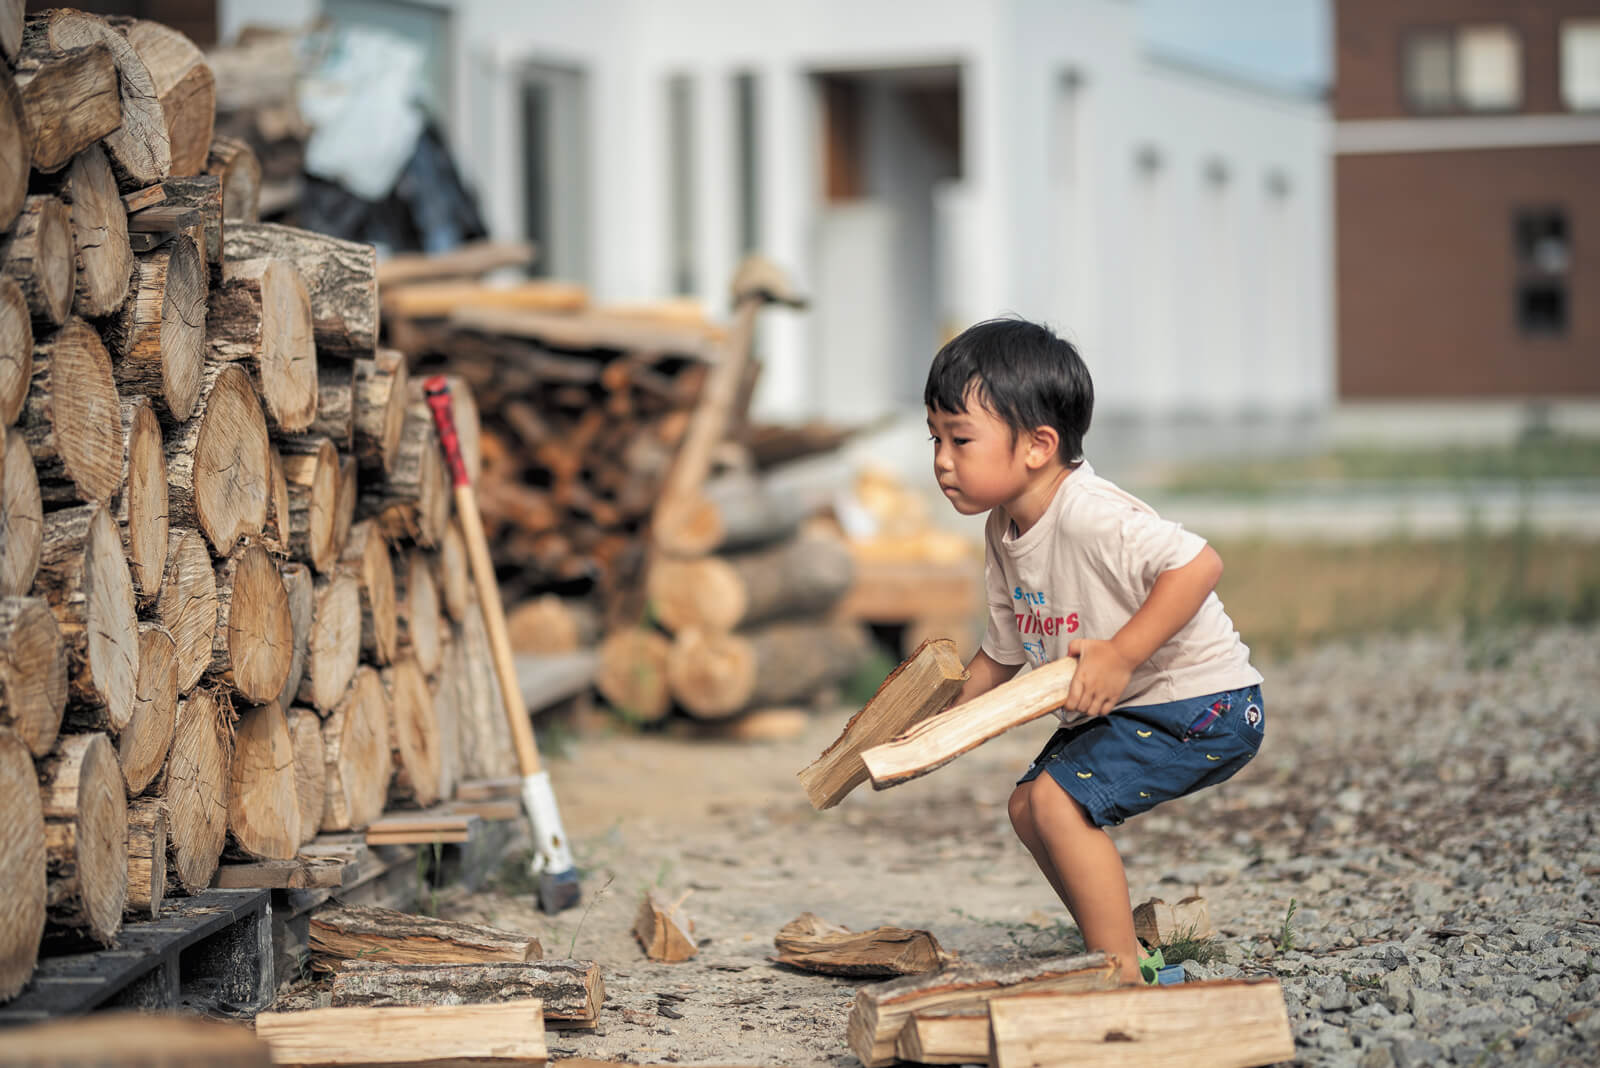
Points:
(86, 835)
(100, 231)
(84, 576)
(147, 857)
(927, 681)
(355, 740)
(235, 166)
(263, 797)
(359, 932)
(254, 644)
(159, 333)
(300, 588)
(796, 578)
(185, 89)
(40, 255)
(142, 745)
(455, 578)
(260, 318)
(368, 555)
(194, 784)
(22, 864)
(417, 601)
(380, 392)
(507, 1033)
(717, 675)
(203, 194)
(632, 675)
(572, 990)
(311, 473)
(16, 350)
(72, 417)
(413, 500)
(333, 644)
(142, 504)
(336, 415)
(310, 773)
(733, 512)
(16, 148)
(341, 278)
(413, 734)
(33, 672)
(21, 517)
(813, 944)
(218, 463)
(69, 99)
(187, 604)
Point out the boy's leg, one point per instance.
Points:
(1083, 866)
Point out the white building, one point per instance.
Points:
(916, 166)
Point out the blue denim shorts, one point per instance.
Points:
(1121, 764)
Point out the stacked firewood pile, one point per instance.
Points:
(233, 605)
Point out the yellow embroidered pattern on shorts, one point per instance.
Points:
(1142, 734)
(1085, 774)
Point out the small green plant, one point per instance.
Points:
(1286, 932)
(429, 864)
(593, 901)
(1183, 945)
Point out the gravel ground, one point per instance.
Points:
(1427, 803)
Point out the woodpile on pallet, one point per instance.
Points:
(230, 613)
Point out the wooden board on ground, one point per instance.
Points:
(424, 828)
(881, 1010)
(1116, 1027)
(572, 990)
(927, 681)
(815, 945)
(511, 1032)
(347, 932)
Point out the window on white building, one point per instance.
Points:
(1468, 68)
(682, 268)
(554, 120)
(1580, 64)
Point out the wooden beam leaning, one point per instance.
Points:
(927, 681)
(511, 1032)
(934, 743)
(1115, 1026)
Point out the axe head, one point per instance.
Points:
(758, 278)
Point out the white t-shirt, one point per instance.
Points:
(1083, 570)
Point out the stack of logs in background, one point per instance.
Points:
(234, 606)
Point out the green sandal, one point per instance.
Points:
(1150, 966)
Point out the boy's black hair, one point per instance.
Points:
(1022, 372)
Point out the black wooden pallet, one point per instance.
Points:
(208, 953)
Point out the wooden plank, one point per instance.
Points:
(489, 789)
(496, 811)
(300, 873)
(1117, 1027)
(163, 219)
(436, 300)
(451, 837)
(935, 742)
(586, 330)
(148, 197)
(423, 829)
(511, 1032)
(946, 1036)
(927, 681)
(468, 261)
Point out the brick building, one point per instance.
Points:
(1467, 193)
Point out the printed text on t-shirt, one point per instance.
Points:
(1036, 622)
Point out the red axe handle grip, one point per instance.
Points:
(437, 390)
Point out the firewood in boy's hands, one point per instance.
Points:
(1102, 675)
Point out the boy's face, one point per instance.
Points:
(979, 462)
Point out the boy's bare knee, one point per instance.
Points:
(1021, 811)
(1054, 811)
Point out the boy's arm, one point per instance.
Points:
(984, 673)
(1104, 667)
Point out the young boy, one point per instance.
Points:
(1164, 701)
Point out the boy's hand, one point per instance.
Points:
(1102, 675)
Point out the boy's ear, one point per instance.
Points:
(1043, 446)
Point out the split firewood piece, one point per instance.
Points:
(356, 932)
(814, 944)
(263, 800)
(142, 504)
(333, 645)
(33, 672)
(16, 349)
(414, 499)
(69, 98)
(301, 590)
(572, 990)
(22, 866)
(203, 194)
(218, 463)
(187, 604)
(72, 417)
(945, 1036)
(126, 1039)
(16, 146)
(927, 681)
(159, 334)
(21, 517)
(368, 554)
(142, 745)
(355, 740)
(311, 472)
(84, 576)
(254, 645)
(714, 676)
(800, 577)
(147, 857)
(185, 89)
(100, 230)
(380, 391)
(310, 774)
(86, 835)
(235, 166)
(935, 742)
(509, 1033)
(665, 933)
(1110, 1027)
(413, 734)
(260, 318)
(1157, 923)
(632, 674)
(340, 276)
(881, 1010)
(417, 599)
(194, 783)
(139, 149)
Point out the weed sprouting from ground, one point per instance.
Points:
(1286, 932)
(1183, 945)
